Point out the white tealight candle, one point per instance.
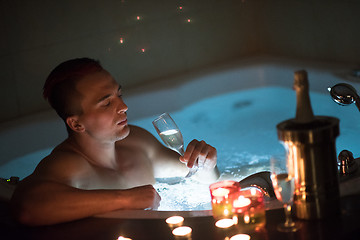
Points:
(175, 221)
(240, 237)
(182, 231)
(123, 238)
(241, 202)
(224, 223)
(220, 192)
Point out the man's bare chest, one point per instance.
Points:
(133, 169)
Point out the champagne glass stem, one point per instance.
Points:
(181, 151)
(288, 220)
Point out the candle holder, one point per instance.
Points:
(223, 194)
(249, 209)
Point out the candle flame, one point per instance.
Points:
(246, 218)
(220, 192)
(241, 202)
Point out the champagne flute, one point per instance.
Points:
(170, 134)
(284, 184)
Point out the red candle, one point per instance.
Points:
(222, 196)
(249, 208)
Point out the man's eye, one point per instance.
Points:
(107, 103)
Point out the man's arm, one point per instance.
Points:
(42, 202)
(168, 163)
(51, 195)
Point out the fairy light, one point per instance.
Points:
(138, 18)
(121, 41)
(188, 20)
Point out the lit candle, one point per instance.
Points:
(220, 192)
(224, 223)
(240, 237)
(253, 191)
(241, 202)
(249, 209)
(123, 238)
(246, 219)
(223, 194)
(184, 231)
(175, 221)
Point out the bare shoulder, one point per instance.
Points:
(165, 161)
(63, 166)
(140, 133)
(142, 138)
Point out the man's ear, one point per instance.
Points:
(73, 123)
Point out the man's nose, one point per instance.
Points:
(122, 107)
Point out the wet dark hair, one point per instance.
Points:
(60, 86)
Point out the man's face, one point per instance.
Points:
(103, 110)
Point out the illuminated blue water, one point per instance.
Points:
(241, 125)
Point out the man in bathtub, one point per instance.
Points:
(104, 164)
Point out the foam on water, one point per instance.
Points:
(241, 125)
(185, 195)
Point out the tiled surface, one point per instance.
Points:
(38, 35)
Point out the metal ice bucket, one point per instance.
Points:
(311, 148)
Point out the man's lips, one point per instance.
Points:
(123, 122)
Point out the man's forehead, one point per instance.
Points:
(101, 79)
(97, 85)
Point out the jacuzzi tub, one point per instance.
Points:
(258, 91)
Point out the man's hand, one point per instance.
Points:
(200, 153)
(143, 197)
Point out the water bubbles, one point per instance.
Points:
(186, 195)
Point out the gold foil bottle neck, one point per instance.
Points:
(304, 112)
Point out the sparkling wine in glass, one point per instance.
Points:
(284, 184)
(170, 134)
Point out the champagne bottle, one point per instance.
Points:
(304, 112)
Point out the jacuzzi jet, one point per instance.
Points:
(344, 94)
